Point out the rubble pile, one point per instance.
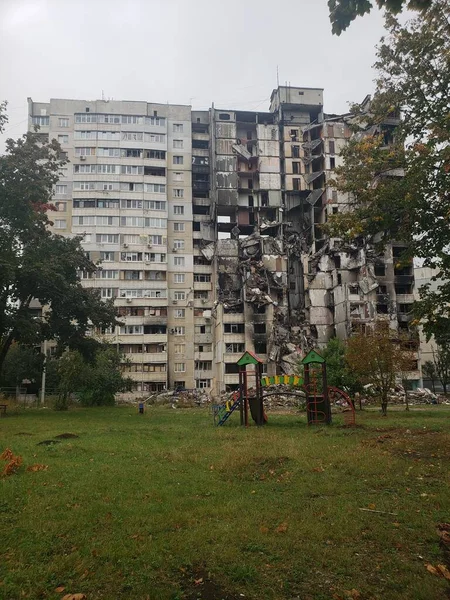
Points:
(397, 396)
(183, 399)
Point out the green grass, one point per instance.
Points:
(138, 507)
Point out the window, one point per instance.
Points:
(178, 177)
(60, 188)
(294, 135)
(178, 244)
(201, 295)
(131, 329)
(63, 139)
(202, 329)
(380, 269)
(179, 261)
(178, 160)
(178, 330)
(234, 348)
(180, 368)
(260, 327)
(132, 120)
(60, 224)
(332, 162)
(85, 151)
(178, 128)
(178, 144)
(296, 184)
(335, 210)
(296, 167)
(179, 296)
(295, 151)
(108, 292)
(234, 328)
(107, 238)
(178, 193)
(178, 226)
(132, 136)
(178, 277)
(156, 240)
(331, 146)
(203, 365)
(132, 275)
(179, 313)
(156, 188)
(108, 274)
(224, 116)
(107, 256)
(155, 138)
(41, 121)
(63, 122)
(202, 278)
(179, 348)
(178, 210)
(202, 384)
(61, 206)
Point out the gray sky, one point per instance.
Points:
(179, 51)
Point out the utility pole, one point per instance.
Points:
(44, 369)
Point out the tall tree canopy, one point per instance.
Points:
(36, 263)
(399, 187)
(343, 12)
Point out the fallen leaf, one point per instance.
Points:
(396, 524)
(444, 571)
(263, 529)
(372, 506)
(432, 569)
(37, 467)
(282, 528)
(6, 454)
(353, 594)
(74, 597)
(198, 581)
(318, 469)
(60, 589)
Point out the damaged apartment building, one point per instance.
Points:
(208, 228)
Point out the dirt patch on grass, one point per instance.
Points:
(262, 468)
(66, 436)
(197, 584)
(48, 443)
(414, 443)
(23, 433)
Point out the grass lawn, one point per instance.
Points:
(165, 506)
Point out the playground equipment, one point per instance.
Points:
(319, 396)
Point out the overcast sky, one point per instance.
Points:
(179, 51)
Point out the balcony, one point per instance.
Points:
(404, 279)
(204, 169)
(147, 357)
(204, 356)
(231, 379)
(203, 286)
(200, 186)
(203, 338)
(203, 374)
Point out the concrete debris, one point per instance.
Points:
(208, 251)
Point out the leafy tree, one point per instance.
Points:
(96, 382)
(36, 263)
(429, 370)
(338, 373)
(442, 363)
(343, 12)
(21, 363)
(377, 358)
(398, 181)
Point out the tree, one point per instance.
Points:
(397, 179)
(338, 373)
(96, 382)
(343, 12)
(36, 263)
(429, 370)
(376, 358)
(21, 363)
(442, 363)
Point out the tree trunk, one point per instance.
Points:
(433, 386)
(406, 400)
(384, 403)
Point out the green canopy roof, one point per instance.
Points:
(312, 357)
(248, 358)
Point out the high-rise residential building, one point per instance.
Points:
(208, 228)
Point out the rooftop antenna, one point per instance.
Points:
(278, 78)
(103, 95)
